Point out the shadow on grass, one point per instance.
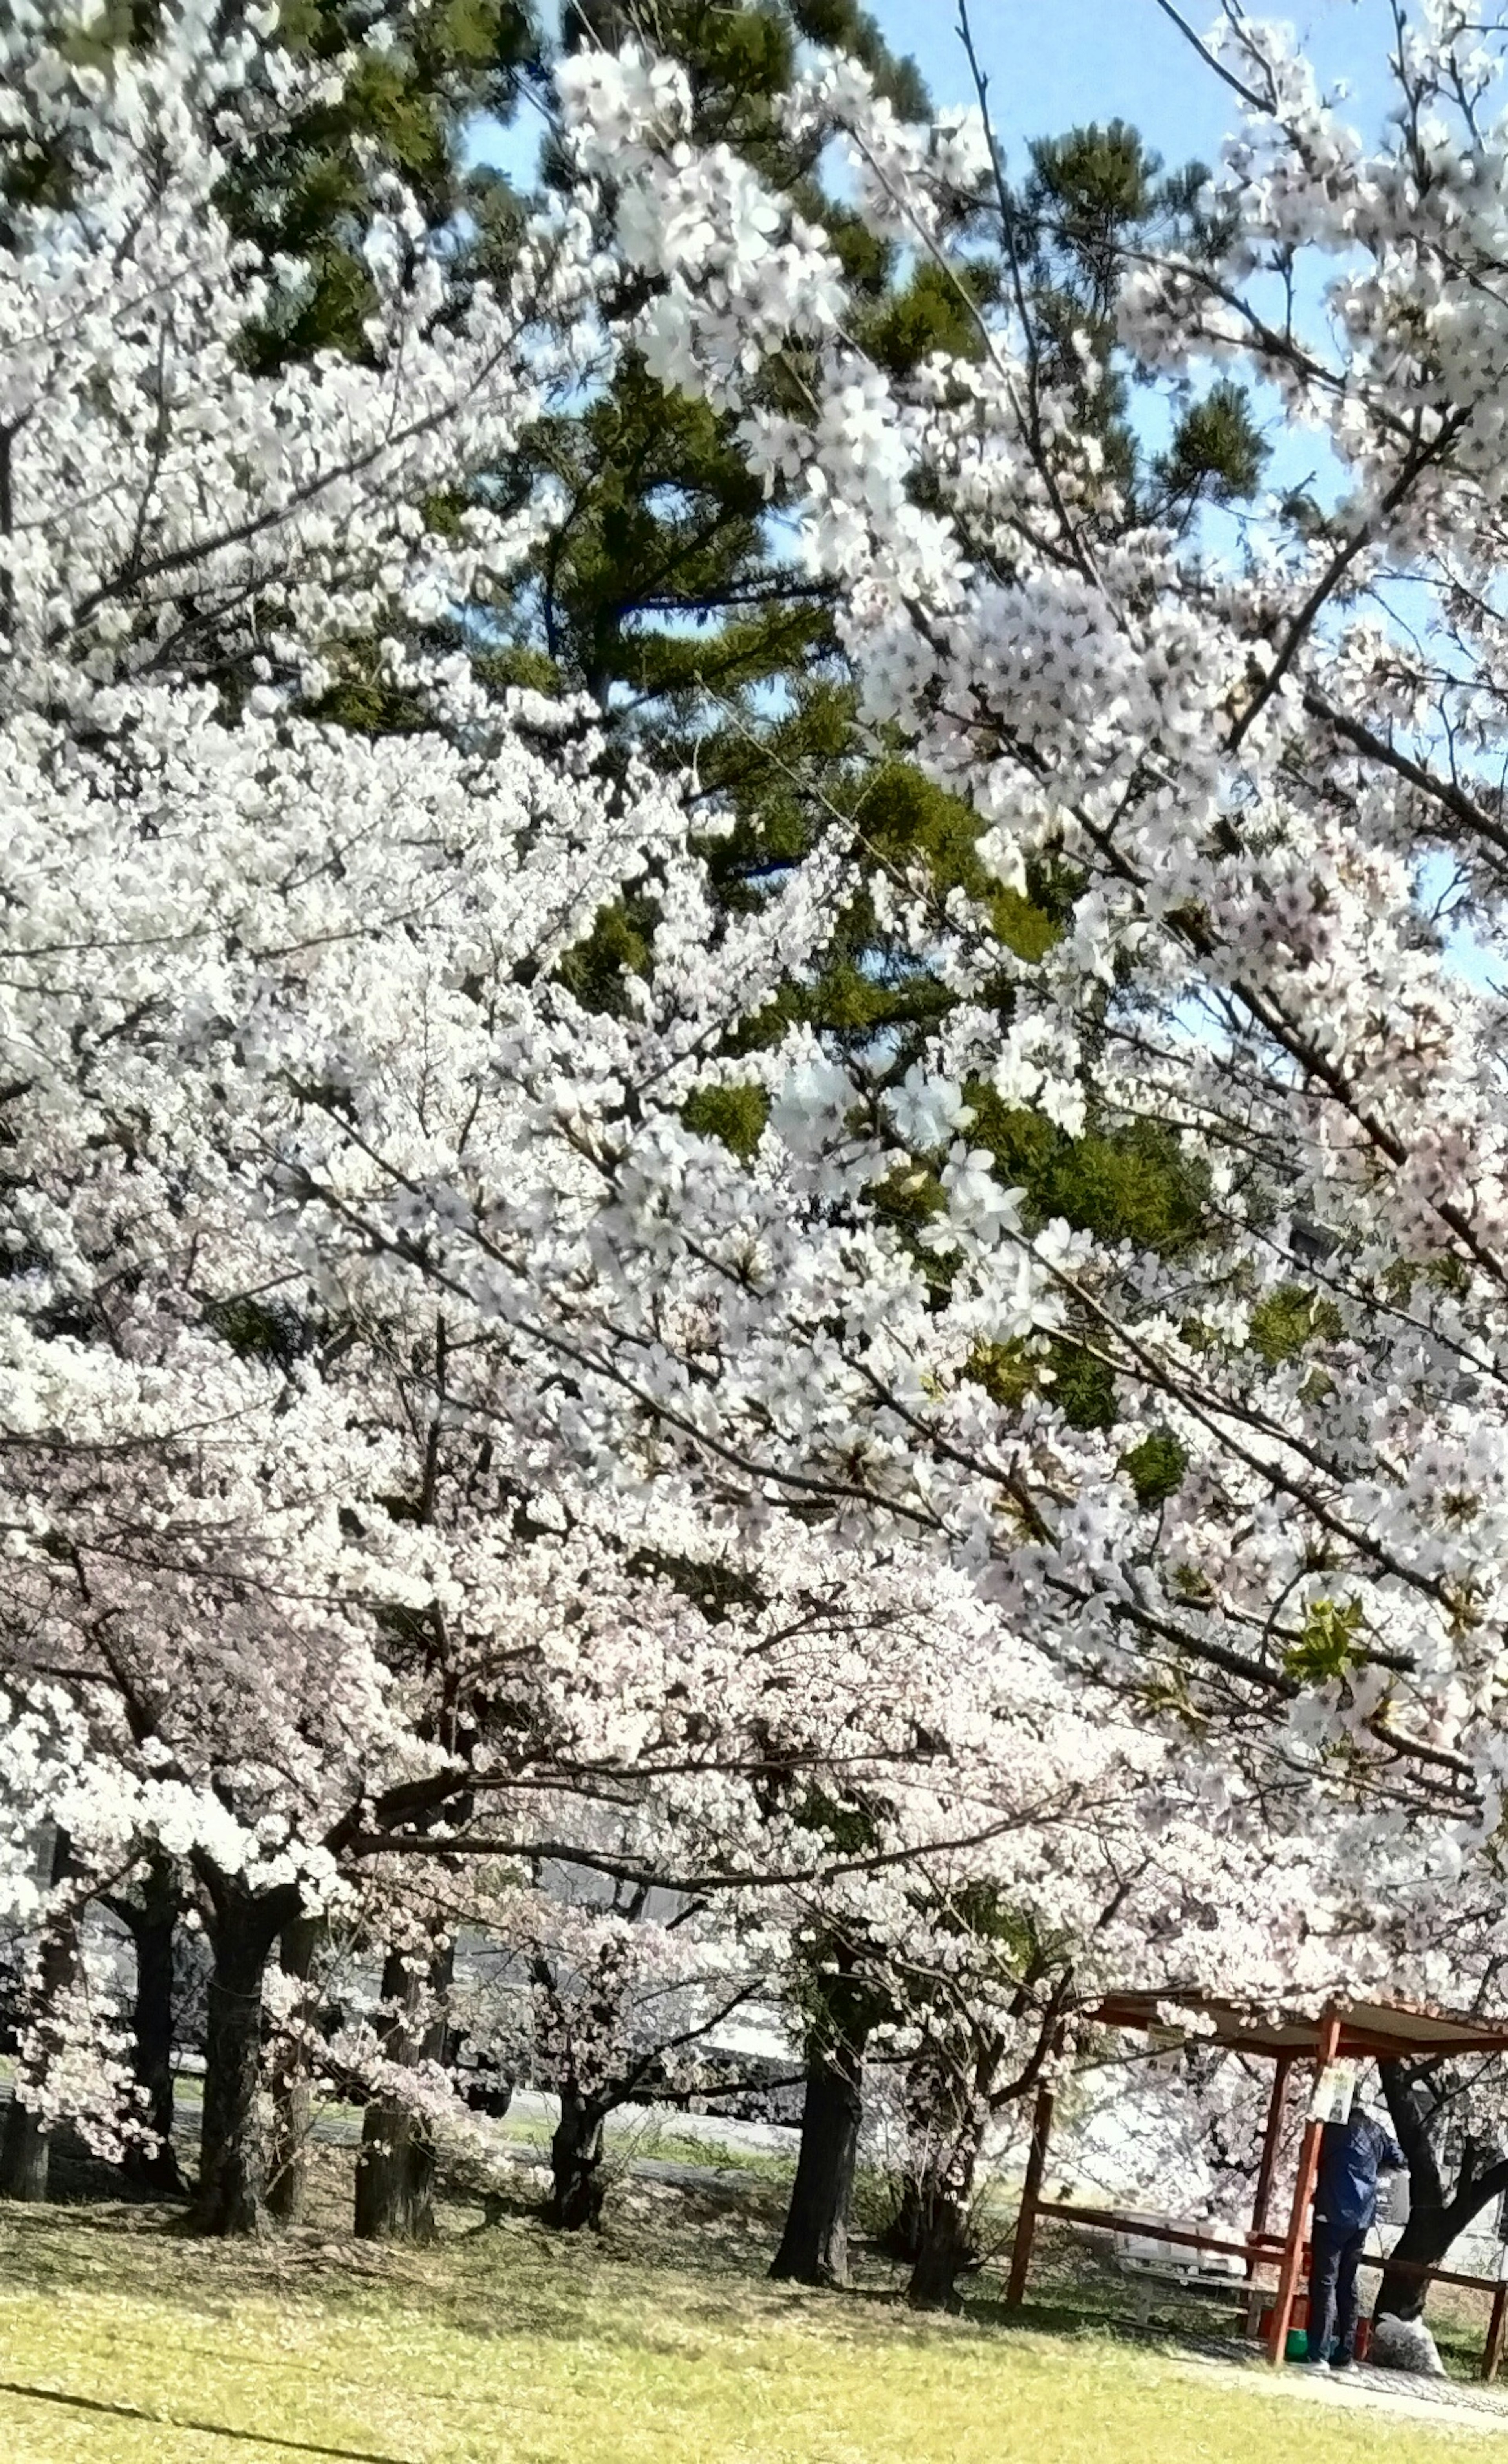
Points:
(1061, 2314)
(201, 2428)
(154, 2255)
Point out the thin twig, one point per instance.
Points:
(1248, 94)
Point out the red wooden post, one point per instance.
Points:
(1264, 2176)
(1493, 2349)
(1031, 2194)
(1302, 2188)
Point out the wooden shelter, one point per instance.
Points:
(1343, 2031)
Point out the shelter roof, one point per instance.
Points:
(1386, 2031)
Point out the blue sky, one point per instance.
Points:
(1055, 62)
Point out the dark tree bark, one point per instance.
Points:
(25, 2151)
(955, 2085)
(1436, 2216)
(151, 1918)
(231, 2196)
(288, 2173)
(944, 2244)
(394, 2172)
(25, 2155)
(575, 2164)
(902, 2237)
(814, 2247)
(947, 2133)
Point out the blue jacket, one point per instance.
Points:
(1351, 2155)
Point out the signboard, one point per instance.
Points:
(1333, 2092)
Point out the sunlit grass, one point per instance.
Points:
(509, 2346)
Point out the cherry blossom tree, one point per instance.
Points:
(591, 1995)
(430, 1437)
(169, 605)
(1272, 811)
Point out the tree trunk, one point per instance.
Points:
(1434, 2219)
(945, 2241)
(1424, 2236)
(232, 2197)
(948, 2134)
(1425, 2239)
(814, 2247)
(152, 1920)
(288, 2177)
(25, 2154)
(25, 2151)
(576, 2163)
(394, 2172)
(902, 2237)
(943, 2247)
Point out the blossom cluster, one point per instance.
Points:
(421, 1444)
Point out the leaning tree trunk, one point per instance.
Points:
(1434, 2224)
(814, 2247)
(1424, 2236)
(1423, 2242)
(152, 1920)
(395, 2171)
(576, 2163)
(1434, 2218)
(232, 2197)
(293, 2101)
(25, 2150)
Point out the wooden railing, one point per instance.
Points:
(1256, 2246)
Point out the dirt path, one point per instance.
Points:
(1438, 2401)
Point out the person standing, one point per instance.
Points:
(1352, 2154)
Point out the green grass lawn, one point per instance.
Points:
(660, 2344)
